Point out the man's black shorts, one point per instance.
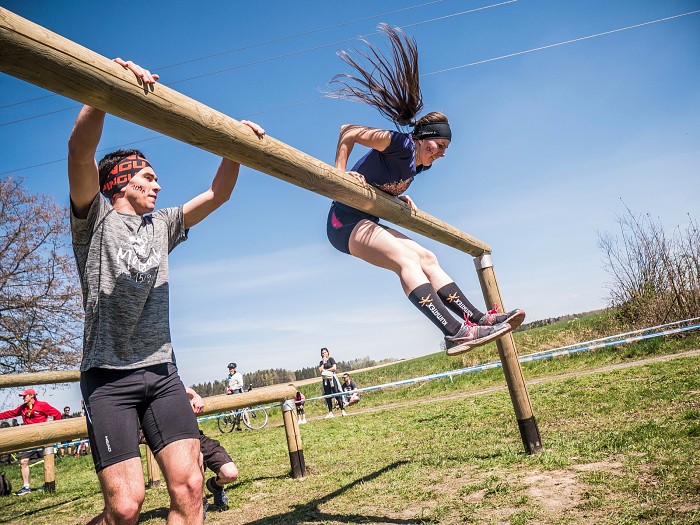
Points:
(33, 456)
(214, 455)
(117, 400)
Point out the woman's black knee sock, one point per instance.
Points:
(455, 300)
(427, 301)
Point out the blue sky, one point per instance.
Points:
(547, 147)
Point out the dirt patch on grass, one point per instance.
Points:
(559, 490)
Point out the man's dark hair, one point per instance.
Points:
(112, 159)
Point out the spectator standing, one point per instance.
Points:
(299, 400)
(66, 446)
(235, 386)
(32, 411)
(327, 368)
(352, 397)
(234, 380)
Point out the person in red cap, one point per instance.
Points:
(32, 411)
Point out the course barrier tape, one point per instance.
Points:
(617, 339)
(547, 354)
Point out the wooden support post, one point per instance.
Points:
(296, 451)
(529, 432)
(49, 470)
(153, 469)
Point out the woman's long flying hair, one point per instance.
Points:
(390, 85)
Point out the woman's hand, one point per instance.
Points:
(408, 200)
(359, 177)
(144, 75)
(255, 127)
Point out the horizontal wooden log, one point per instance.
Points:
(35, 54)
(257, 396)
(40, 378)
(27, 437)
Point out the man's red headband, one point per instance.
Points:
(122, 173)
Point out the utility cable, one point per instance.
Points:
(423, 75)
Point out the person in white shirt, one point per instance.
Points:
(235, 380)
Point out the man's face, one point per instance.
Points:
(346, 379)
(231, 370)
(142, 191)
(28, 398)
(66, 411)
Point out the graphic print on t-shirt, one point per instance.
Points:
(140, 260)
(395, 188)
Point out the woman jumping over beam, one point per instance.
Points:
(394, 159)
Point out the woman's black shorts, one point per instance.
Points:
(341, 221)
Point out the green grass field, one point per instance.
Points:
(620, 429)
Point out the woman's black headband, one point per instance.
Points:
(435, 130)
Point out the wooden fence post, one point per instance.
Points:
(49, 470)
(296, 451)
(153, 469)
(527, 424)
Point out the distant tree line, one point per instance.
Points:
(552, 320)
(276, 376)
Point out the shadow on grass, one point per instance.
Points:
(16, 501)
(160, 512)
(310, 512)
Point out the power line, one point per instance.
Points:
(251, 46)
(270, 59)
(295, 35)
(423, 75)
(559, 44)
(337, 42)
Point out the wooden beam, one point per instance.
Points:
(35, 54)
(39, 378)
(27, 437)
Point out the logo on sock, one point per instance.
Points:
(428, 301)
(454, 299)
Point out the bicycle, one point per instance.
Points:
(254, 419)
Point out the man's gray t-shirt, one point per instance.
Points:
(123, 266)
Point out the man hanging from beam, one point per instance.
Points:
(128, 374)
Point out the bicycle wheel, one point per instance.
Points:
(226, 423)
(255, 419)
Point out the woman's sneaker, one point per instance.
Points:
(514, 318)
(472, 335)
